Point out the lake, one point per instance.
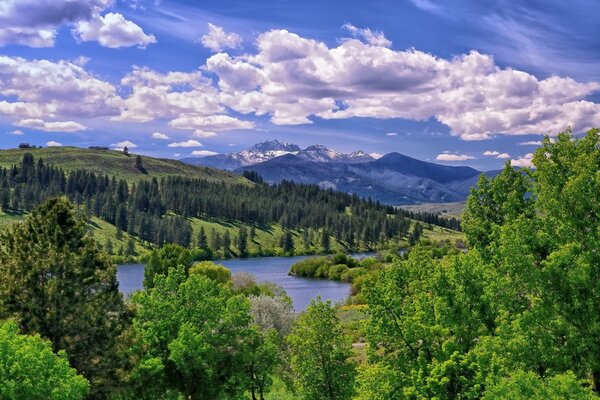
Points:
(272, 269)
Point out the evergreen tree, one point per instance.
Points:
(202, 240)
(286, 242)
(226, 244)
(56, 282)
(326, 242)
(242, 242)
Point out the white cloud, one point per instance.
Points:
(160, 136)
(531, 143)
(205, 126)
(54, 126)
(188, 143)
(52, 143)
(35, 23)
(15, 132)
(112, 30)
(503, 155)
(218, 40)
(525, 161)
(490, 153)
(121, 145)
(167, 95)
(203, 153)
(374, 38)
(391, 134)
(291, 79)
(453, 157)
(67, 90)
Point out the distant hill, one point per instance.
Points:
(393, 179)
(271, 149)
(116, 163)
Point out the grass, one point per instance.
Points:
(267, 237)
(438, 234)
(448, 210)
(116, 163)
(8, 219)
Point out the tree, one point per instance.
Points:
(529, 386)
(160, 260)
(29, 370)
(125, 151)
(55, 281)
(202, 239)
(286, 242)
(139, 164)
(226, 244)
(178, 349)
(320, 354)
(242, 242)
(326, 242)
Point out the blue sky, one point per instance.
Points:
(457, 82)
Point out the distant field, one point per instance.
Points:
(444, 209)
(116, 163)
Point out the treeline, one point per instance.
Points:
(157, 211)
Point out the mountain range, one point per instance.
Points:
(271, 149)
(394, 179)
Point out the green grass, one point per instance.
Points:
(267, 237)
(438, 233)
(447, 210)
(116, 163)
(103, 231)
(8, 219)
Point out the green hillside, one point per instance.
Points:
(116, 163)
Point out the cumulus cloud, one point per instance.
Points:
(35, 23)
(52, 143)
(16, 132)
(167, 95)
(188, 143)
(112, 30)
(218, 40)
(503, 155)
(453, 157)
(66, 91)
(206, 126)
(374, 38)
(531, 143)
(391, 134)
(160, 136)
(52, 126)
(490, 153)
(121, 145)
(203, 153)
(293, 79)
(524, 161)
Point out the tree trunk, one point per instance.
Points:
(596, 380)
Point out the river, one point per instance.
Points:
(272, 269)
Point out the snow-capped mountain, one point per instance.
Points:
(271, 149)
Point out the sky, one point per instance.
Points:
(455, 82)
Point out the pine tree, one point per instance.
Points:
(242, 242)
(226, 244)
(202, 240)
(56, 282)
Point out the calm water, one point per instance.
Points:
(273, 269)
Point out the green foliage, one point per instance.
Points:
(162, 259)
(215, 272)
(29, 370)
(55, 281)
(320, 355)
(529, 386)
(177, 347)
